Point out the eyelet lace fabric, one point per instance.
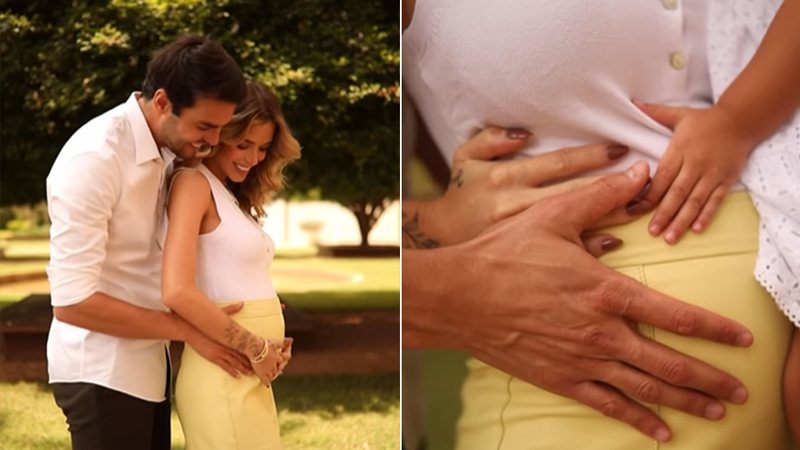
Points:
(772, 174)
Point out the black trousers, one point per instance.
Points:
(100, 418)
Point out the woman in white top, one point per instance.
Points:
(216, 253)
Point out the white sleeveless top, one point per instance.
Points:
(232, 260)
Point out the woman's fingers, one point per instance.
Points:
(600, 244)
(562, 163)
(491, 143)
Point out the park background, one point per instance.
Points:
(335, 65)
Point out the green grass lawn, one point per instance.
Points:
(330, 412)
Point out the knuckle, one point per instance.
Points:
(684, 321)
(648, 391)
(679, 190)
(695, 203)
(695, 405)
(664, 174)
(674, 370)
(562, 161)
(596, 337)
(610, 296)
(611, 407)
(606, 184)
(499, 176)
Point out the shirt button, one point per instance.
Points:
(670, 4)
(677, 60)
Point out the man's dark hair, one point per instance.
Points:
(193, 67)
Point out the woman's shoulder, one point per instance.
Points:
(190, 179)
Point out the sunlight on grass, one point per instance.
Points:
(330, 412)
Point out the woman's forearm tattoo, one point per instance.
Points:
(412, 236)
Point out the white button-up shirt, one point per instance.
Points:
(103, 195)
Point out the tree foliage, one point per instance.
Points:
(335, 65)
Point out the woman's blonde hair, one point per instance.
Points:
(265, 179)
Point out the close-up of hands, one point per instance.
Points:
(269, 368)
(485, 189)
(703, 161)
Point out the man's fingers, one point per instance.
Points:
(615, 405)
(678, 369)
(600, 244)
(583, 207)
(564, 163)
(492, 142)
(644, 387)
(642, 304)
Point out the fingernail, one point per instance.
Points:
(517, 133)
(697, 227)
(739, 396)
(661, 435)
(654, 229)
(616, 151)
(645, 189)
(671, 237)
(637, 170)
(610, 244)
(744, 339)
(714, 411)
(635, 207)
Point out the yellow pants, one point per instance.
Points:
(712, 270)
(219, 412)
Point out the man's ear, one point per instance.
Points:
(161, 101)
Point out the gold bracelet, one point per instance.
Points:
(262, 355)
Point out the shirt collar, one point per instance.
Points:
(143, 141)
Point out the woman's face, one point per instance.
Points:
(233, 162)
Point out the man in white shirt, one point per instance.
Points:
(106, 351)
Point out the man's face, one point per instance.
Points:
(196, 128)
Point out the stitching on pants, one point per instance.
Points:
(503, 413)
(651, 332)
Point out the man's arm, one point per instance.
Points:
(509, 287)
(80, 209)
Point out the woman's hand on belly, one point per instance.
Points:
(484, 191)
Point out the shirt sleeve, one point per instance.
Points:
(81, 196)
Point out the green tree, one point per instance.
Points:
(335, 64)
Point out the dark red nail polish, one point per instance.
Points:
(645, 190)
(610, 244)
(616, 151)
(635, 207)
(517, 134)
